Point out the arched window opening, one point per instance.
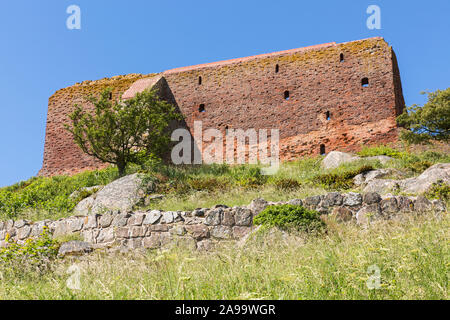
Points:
(341, 58)
(199, 80)
(201, 108)
(286, 95)
(328, 115)
(277, 68)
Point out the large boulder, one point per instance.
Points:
(420, 184)
(335, 158)
(120, 195)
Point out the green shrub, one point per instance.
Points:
(380, 150)
(51, 194)
(341, 180)
(290, 217)
(439, 190)
(34, 255)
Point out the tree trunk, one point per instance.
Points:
(121, 167)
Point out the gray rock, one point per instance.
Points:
(75, 224)
(199, 212)
(422, 204)
(353, 199)
(258, 205)
(214, 217)
(405, 204)
(296, 202)
(91, 221)
(20, 223)
(167, 217)
(152, 217)
(122, 195)
(243, 217)
(371, 198)
(105, 220)
(368, 213)
(312, 202)
(120, 220)
(389, 206)
(342, 214)
(332, 199)
(74, 248)
(438, 205)
(221, 232)
(366, 177)
(335, 158)
(24, 232)
(381, 186)
(136, 219)
(438, 172)
(106, 235)
(198, 232)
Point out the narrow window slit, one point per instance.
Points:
(286, 95)
(322, 149)
(365, 82)
(201, 108)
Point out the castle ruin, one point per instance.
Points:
(322, 98)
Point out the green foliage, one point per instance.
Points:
(429, 122)
(119, 132)
(51, 195)
(341, 180)
(380, 150)
(439, 190)
(34, 255)
(290, 217)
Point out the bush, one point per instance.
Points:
(439, 190)
(34, 255)
(343, 180)
(289, 218)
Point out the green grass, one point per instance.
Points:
(412, 255)
(190, 187)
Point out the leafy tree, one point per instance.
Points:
(430, 122)
(117, 132)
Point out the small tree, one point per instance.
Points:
(118, 130)
(430, 122)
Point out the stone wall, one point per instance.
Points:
(328, 106)
(202, 228)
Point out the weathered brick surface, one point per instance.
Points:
(249, 93)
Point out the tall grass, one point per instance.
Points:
(412, 256)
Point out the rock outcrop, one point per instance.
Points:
(120, 195)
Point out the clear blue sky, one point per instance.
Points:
(39, 55)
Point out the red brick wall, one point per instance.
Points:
(249, 93)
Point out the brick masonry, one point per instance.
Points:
(328, 105)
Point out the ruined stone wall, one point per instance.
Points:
(61, 154)
(328, 106)
(203, 228)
